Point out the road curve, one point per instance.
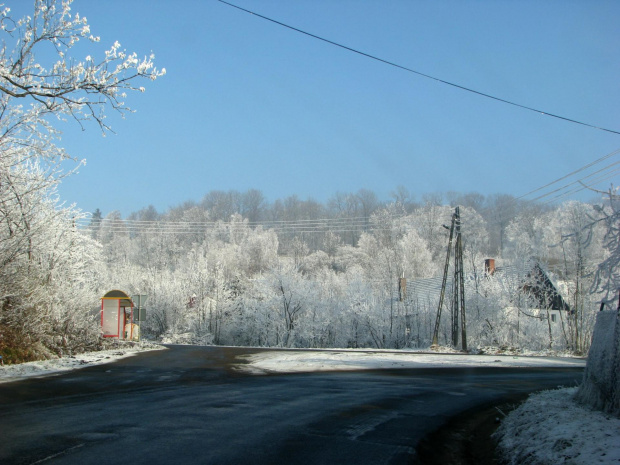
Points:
(187, 405)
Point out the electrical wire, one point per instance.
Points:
(357, 223)
(337, 225)
(583, 187)
(360, 220)
(581, 181)
(404, 68)
(323, 225)
(589, 165)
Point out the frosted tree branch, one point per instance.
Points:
(81, 89)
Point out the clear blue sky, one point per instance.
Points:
(249, 104)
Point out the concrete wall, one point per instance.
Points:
(600, 388)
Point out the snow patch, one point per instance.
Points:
(295, 361)
(550, 427)
(55, 366)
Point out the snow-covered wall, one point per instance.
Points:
(600, 388)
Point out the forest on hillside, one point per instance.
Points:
(304, 274)
(236, 269)
(233, 269)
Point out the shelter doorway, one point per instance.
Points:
(117, 317)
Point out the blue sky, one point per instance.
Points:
(249, 104)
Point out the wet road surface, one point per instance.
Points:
(187, 405)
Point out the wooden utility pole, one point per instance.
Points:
(456, 287)
(443, 284)
(459, 286)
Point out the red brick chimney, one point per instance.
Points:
(402, 287)
(489, 266)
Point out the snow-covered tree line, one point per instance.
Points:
(233, 282)
(49, 270)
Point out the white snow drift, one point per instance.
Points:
(338, 360)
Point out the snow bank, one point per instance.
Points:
(60, 365)
(551, 428)
(293, 361)
(600, 388)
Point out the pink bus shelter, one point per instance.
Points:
(117, 316)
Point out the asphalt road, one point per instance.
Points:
(186, 405)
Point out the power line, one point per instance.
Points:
(581, 181)
(615, 152)
(404, 68)
(355, 219)
(323, 225)
(584, 186)
(284, 225)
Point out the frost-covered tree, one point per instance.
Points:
(582, 251)
(416, 257)
(531, 236)
(247, 287)
(600, 388)
(500, 211)
(49, 278)
(252, 205)
(571, 244)
(504, 312)
(42, 82)
(429, 221)
(607, 275)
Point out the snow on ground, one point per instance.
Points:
(338, 360)
(295, 361)
(550, 428)
(60, 365)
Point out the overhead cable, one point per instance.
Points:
(404, 68)
(581, 181)
(355, 224)
(615, 152)
(584, 186)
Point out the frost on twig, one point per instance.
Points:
(39, 67)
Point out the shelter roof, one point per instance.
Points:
(115, 294)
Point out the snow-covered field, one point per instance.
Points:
(547, 429)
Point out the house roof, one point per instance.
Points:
(528, 275)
